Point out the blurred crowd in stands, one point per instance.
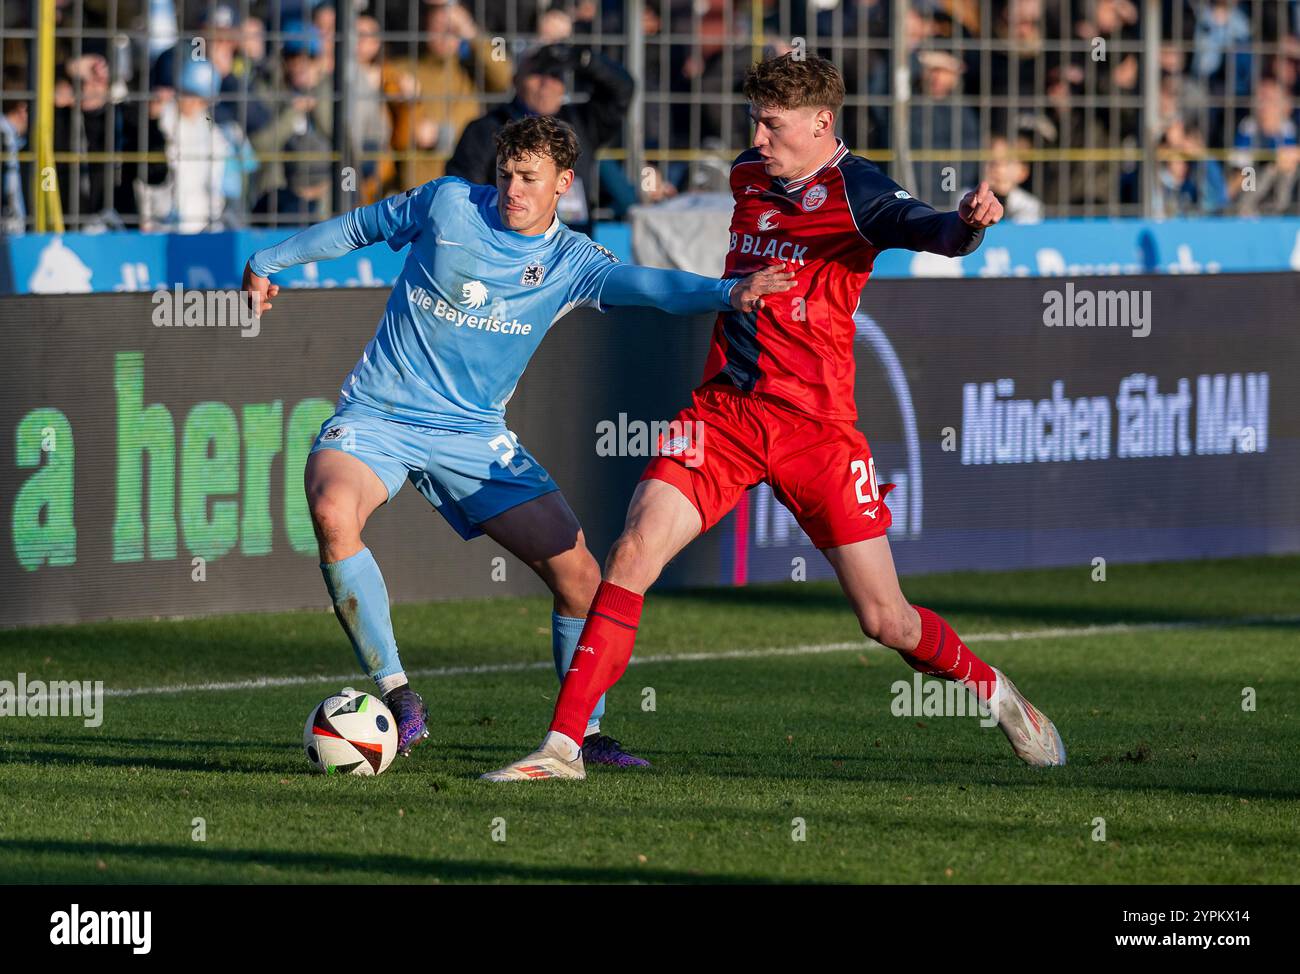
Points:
(220, 113)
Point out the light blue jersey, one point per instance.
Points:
(426, 403)
(474, 300)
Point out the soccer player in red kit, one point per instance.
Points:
(777, 406)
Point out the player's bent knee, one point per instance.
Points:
(575, 586)
(631, 563)
(335, 519)
(890, 626)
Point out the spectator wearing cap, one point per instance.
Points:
(540, 89)
(227, 41)
(223, 37)
(218, 26)
(198, 151)
(302, 103)
(433, 97)
(937, 122)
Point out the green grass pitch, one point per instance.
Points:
(1192, 787)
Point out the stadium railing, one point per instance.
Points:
(1091, 108)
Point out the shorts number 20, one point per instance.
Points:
(865, 471)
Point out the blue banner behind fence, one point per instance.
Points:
(79, 263)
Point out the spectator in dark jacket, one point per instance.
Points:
(939, 121)
(305, 196)
(540, 88)
(99, 195)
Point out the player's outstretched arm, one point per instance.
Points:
(324, 241)
(331, 238)
(683, 293)
(397, 219)
(900, 221)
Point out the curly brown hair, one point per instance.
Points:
(788, 81)
(538, 135)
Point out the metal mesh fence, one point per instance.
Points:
(193, 115)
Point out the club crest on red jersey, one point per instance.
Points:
(814, 198)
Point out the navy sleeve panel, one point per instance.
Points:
(887, 216)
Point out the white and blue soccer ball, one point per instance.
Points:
(350, 733)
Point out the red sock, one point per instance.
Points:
(942, 653)
(604, 649)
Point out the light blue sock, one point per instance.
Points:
(565, 631)
(361, 604)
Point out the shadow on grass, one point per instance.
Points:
(1150, 765)
(339, 865)
(25, 754)
(1081, 613)
(91, 739)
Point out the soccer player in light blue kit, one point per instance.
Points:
(488, 272)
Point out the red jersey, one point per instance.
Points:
(828, 227)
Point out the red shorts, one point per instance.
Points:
(728, 441)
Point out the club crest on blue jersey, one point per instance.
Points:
(814, 198)
(474, 294)
(532, 275)
(334, 432)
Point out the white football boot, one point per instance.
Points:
(1033, 737)
(548, 761)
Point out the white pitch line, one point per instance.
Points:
(812, 649)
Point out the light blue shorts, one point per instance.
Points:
(469, 477)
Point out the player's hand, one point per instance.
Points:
(980, 208)
(747, 293)
(260, 290)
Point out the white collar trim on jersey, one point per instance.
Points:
(841, 150)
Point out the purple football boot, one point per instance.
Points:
(411, 715)
(600, 749)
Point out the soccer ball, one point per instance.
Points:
(350, 733)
